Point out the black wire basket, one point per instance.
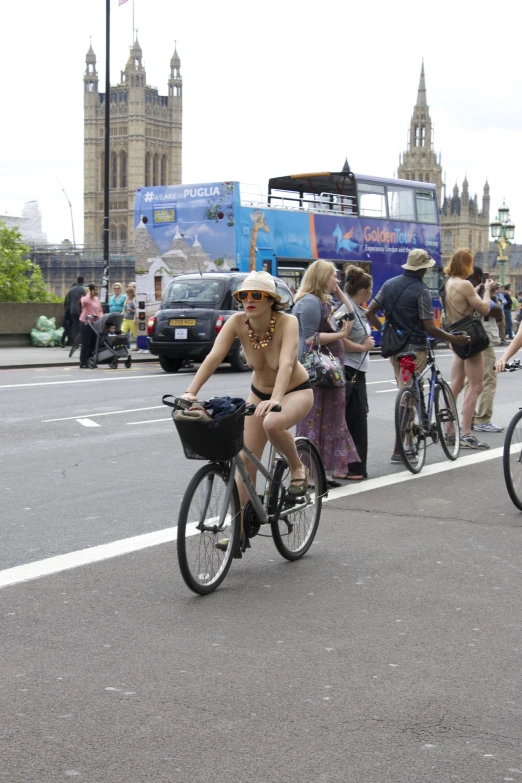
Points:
(217, 440)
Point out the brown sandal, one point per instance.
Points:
(299, 489)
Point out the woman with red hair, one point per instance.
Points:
(462, 300)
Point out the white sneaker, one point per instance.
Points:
(488, 427)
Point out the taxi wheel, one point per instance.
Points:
(238, 360)
(170, 365)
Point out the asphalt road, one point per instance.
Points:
(391, 653)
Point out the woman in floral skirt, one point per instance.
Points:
(325, 425)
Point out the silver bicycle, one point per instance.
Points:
(209, 524)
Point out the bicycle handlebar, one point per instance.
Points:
(179, 403)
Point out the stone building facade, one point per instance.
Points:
(463, 222)
(145, 144)
(29, 224)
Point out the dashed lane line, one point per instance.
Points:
(96, 554)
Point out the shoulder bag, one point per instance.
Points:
(324, 369)
(473, 326)
(393, 339)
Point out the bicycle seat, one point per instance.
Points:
(406, 355)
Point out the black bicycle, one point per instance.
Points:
(209, 521)
(425, 411)
(512, 459)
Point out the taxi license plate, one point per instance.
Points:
(182, 322)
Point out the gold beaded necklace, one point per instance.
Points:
(261, 341)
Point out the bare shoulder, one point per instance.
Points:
(288, 320)
(236, 321)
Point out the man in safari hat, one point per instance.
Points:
(407, 305)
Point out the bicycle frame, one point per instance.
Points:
(431, 367)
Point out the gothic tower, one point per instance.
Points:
(145, 144)
(419, 162)
(462, 222)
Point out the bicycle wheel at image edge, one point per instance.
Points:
(293, 534)
(445, 413)
(409, 431)
(202, 565)
(513, 459)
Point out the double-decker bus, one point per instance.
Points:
(342, 217)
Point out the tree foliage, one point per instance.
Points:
(20, 279)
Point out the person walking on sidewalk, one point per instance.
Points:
(75, 294)
(129, 316)
(407, 304)
(482, 418)
(90, 305)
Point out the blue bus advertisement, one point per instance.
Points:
(371, 222)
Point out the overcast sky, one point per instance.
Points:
(270, 88)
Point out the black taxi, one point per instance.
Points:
(193, 310)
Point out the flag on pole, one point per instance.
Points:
(120, 2)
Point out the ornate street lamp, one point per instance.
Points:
(503, 234)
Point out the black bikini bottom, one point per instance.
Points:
(263, 396)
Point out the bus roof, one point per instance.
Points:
(337, 182)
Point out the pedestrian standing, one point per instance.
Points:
(76, 293)
(462, 300)
(129, 315)
(117, 299)
(357, 349)
(407, 305)
(508, 304)
(482, 418)
(90, 306)
(325, 425)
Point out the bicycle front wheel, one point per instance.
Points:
(203, 565)
(513, 459)
(296, 521)
(409, 430)
(446, 413)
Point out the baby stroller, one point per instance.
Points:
(109, 345)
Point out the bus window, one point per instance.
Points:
(371, 200)
(401, 205)
(426, 206)
(433, 279)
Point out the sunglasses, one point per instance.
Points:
(255, 296)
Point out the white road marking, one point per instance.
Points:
(374, 383)
(82, 380)
(88, 423)
(385, 391)
(106, 413)
(96, 554)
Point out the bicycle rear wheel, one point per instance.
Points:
(409, 430)
(513, 459)
(202, 565)
(446, 413)
(295, 530)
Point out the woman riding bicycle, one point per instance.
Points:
(269, 339)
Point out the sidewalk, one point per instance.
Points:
(27, 357)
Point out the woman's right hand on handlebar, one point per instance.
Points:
(500, 365)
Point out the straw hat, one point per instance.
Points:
(260, 281)
(418, 259)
